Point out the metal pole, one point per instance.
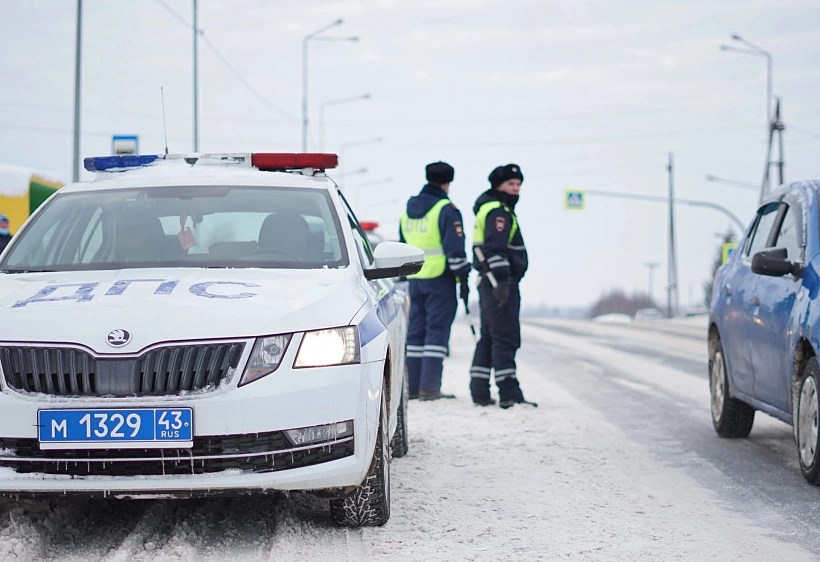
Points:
(322, 127)
(659, 199)
(304, 93)
(769, 84)
(781, 163)
(196, 80)
(673, 270)
(75, 168)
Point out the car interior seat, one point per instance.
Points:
(286, 232)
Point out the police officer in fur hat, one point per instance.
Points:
(433, 224)
(500, 256)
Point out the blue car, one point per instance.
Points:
(764, 329)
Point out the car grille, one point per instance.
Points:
(63, 371)
(258, 452)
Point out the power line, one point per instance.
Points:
(176, 14)
(242, 80)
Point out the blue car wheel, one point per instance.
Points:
(730, 417)
(806, 422)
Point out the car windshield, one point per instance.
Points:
(212, 226)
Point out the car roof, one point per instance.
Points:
(180, 173)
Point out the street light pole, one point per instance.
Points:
(314, 35)
(196, 79)
(322, 115)
(344, 147)
(75, 167)
(755, 50)
(651, 266)
(658, 199)
(740, 184)
(672, 301)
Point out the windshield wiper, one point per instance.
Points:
(28, 270)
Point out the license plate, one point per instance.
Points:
(135, 428)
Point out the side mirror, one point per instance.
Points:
(775, 263)
(394, 259)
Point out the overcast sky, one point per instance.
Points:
(581, 94)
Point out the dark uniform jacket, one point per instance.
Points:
(507, 259)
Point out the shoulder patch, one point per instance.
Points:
(500, 224)
(459, 228)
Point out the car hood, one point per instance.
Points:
(160, 305)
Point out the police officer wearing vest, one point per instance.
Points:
(501, 258)
(433, 224)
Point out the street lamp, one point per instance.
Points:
(740, 184)
(652, 266)
(353, 173)
(369, 184)
(317, 36)
(754, 50)
(345, 146)
(322, 115)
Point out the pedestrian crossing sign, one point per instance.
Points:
(728, 250)
(574, 200)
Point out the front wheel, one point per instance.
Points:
(730, 417)
(369, 504)
(806, 422)
(401, 442)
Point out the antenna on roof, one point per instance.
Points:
(164, 125)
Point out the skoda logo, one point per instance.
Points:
(118, 338)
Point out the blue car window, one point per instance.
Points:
(760, 234)
(789, 235)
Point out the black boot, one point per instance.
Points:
(484, 402)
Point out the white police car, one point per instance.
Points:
(203, 324)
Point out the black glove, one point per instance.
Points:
(464, 291)
(502, 293)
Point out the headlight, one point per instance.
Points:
(323, 348)
(265, 358)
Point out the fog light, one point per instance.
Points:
(320, 433)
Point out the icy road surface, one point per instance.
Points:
(620, 462)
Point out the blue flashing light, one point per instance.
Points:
(103, 163)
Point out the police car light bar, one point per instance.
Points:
(265, 161)
(369, 226)
(281, 161)
(103, 163)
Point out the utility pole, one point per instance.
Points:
(75, 168)
(672, 289)
(196, 80)
(776, 127)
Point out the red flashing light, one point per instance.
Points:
(273, 161)
(369, 226)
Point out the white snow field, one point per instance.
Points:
(558, 482)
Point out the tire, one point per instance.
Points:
(731, 418)
(369, 504)
(400, 443)
(806, 422)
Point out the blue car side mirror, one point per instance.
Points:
(775, 263)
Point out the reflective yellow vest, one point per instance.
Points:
(481, 221)
(423, 233)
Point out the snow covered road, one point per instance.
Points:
(619, 462)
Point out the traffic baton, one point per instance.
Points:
(470, 320)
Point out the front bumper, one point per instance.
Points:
(239, 444)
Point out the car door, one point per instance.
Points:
(385, 299)
(736, 292)
(773, 300)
